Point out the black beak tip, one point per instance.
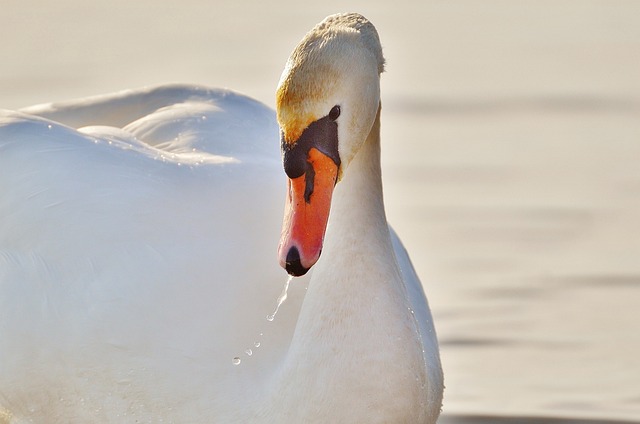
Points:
(293, 265)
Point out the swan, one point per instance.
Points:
(137, 239)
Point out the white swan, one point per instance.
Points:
(136, 255)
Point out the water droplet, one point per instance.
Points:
(281, 299)
(236, 361)
(249, 352)
(256, 344)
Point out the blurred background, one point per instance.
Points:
(511, 160)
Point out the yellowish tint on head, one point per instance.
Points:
(300, 96)
(333, 50)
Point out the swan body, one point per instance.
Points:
(137, 255)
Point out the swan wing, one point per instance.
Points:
(133, 246)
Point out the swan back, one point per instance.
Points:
(130, 256)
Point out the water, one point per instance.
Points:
(281, 299)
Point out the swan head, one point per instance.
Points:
(327, 101)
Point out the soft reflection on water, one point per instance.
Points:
(471, 419)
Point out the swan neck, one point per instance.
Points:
(355, 316)
(357, 236)
(358, 205)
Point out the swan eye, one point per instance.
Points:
(335, 112)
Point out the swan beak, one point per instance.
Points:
(306, 213)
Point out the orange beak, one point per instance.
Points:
(306, 213)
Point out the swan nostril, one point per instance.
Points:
(293, 265)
